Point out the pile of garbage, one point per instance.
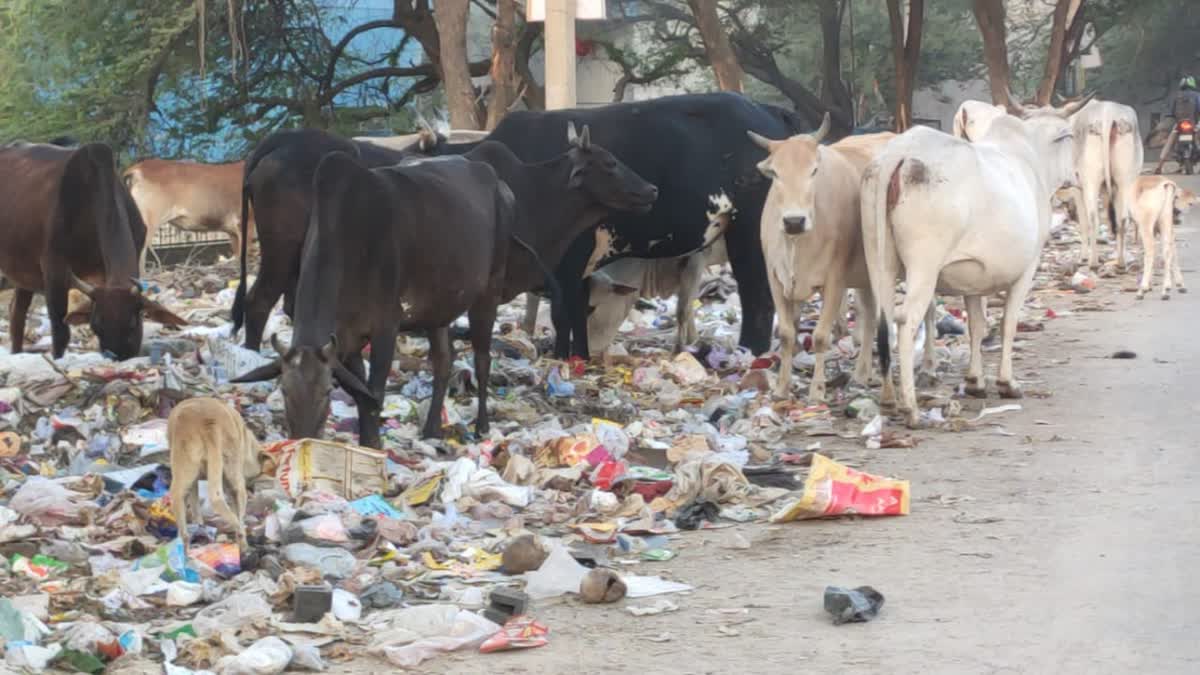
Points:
(589, 472)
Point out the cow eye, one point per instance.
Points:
(814, 172)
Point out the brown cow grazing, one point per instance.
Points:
(69, 222)
(189, 195)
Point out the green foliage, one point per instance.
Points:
(78, 68)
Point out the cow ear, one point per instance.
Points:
(576, 180)
(261, 374)
(156, 312)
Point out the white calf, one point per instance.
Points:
(615, 288)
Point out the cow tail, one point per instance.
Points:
(552, 287)
(1110, 130)
(239, 300)
(880, 194)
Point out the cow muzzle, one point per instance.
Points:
(796, 223)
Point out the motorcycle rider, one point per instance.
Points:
(1186, 105)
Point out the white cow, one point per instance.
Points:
(1108, 159)
(1157, 201)
(812, 241)
(965, 219)
(614, 288)
(425, 138)
(974, 118)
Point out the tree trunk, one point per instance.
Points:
(533, 93)
(504, 62)
(989, 14)
(451, 17)
(906, 52)
(716, 44)
(833, 90)
(1064, 13)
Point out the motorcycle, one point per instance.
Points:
(1185, 145)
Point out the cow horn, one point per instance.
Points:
(822, 131)
(83, 286)
(1075, 106)
(585, 138)
(1011, 105)
(329, 351)
(761, 141)
(572, 134)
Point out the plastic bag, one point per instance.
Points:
(231, 613)
(418, 633)
(559, 574)
(834, 489)
(346, 606)
(611, 436)
(47, 503)
(171, 560)
(223, 559)
(487, 485)
(182, 593)
(519, 632)
(333, 562)
(268, 656)
(326, 529)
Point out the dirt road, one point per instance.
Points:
(1070, 546)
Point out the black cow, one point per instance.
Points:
(68, 221)
(277, 182)
(401, 248)
(558, 200)
(695, 149)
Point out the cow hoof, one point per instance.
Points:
(1181, 289)
(1140, 295)
(912, 420)
(1166, 296)
(973, 389)
(1009, 390)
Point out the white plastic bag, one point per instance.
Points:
(559, 574)
(268, 656)
(231, 613)
(346, 606)
(418, 633)
(46, 502)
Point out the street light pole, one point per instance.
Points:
(560, 54)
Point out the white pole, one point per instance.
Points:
(560, 54)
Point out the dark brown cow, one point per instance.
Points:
(67, 221)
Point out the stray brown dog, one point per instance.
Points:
(207, 434)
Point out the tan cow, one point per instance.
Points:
(812, 241)
(1157, 201)
(189, 195)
